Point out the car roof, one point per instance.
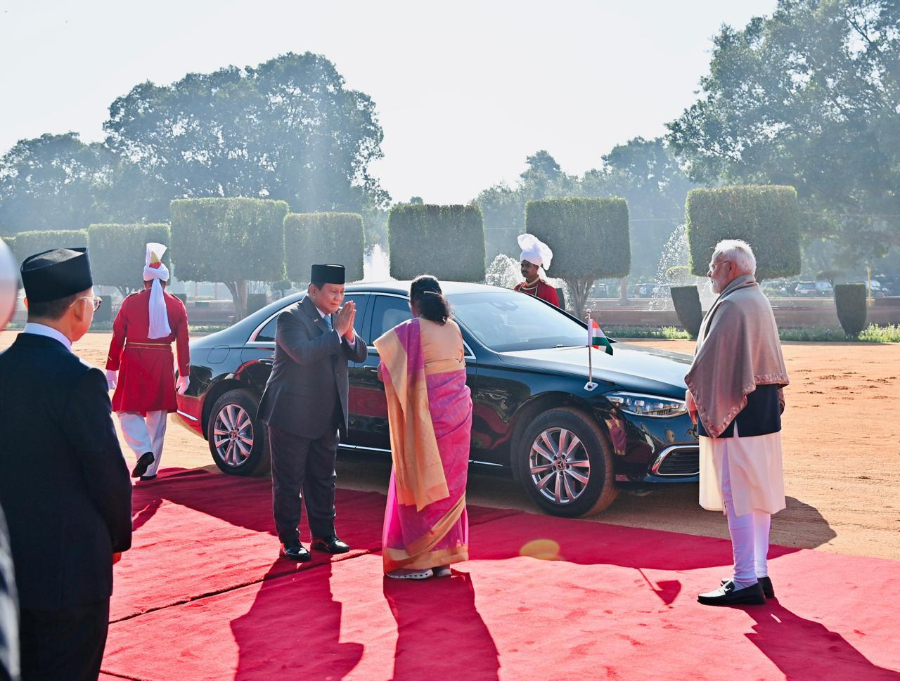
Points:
(402, 287)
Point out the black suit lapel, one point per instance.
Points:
(309, 309)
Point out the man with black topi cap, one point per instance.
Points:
(64, 484)
(304, 406)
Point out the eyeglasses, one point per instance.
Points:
(715, 265)
(96, 301)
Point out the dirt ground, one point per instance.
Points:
(842, 456)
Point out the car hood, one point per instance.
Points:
(630, 367)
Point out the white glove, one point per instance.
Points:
(181, 385)
(112, 378)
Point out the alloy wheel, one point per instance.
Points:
(233, 435)
(559, 465)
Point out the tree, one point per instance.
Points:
(30, 243)
(503, 206)
(589, 239)
(767, 218)
(45, 183)
(324, 238)
(648, 176)
(287, 129)
(809, 97)
(229, 240)
(118, 252)
(541, 163)
(446, 241)
(58, 182)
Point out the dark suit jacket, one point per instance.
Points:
(309, 374)
(64, 485)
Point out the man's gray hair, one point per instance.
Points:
(738, 252)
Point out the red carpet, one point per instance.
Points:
(198, 534)
(615, 602)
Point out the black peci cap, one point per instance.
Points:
(327, 274)
(55, 274)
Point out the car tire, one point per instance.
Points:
(237, 439)
(577, 484)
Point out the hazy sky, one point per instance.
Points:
(464, 90)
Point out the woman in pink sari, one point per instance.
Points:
(430, 414)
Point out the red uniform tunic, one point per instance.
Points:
(541, 290)
(146, 366)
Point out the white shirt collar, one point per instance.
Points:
(323, 314)
(48, 332)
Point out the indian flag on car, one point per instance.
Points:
(596, 337)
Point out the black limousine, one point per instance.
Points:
(527, 362)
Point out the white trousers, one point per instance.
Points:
(145, 434)
(749, 534)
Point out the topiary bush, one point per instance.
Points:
(767, 218)
(850, 301)
(338, 238)
(30, 243)
(446, 241)
(229, 240)
(686, 300)
(118, 252)
(589, 239)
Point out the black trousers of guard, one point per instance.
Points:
(65, 644)
(303, 470)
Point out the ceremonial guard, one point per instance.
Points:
(735, 396)
(64, 484)
(140, 366)
(536, 255)
(305, 406)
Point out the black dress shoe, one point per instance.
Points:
(143, 464)
(764, 582)
(728, 595)
(295, 552)
(332, 545)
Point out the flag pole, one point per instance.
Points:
(590, 385)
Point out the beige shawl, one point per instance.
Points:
(737, 349)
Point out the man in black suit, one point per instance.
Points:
(305, 407)
(64, 485)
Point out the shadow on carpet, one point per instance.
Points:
(541, 597)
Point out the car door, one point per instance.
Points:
(368, 406)
(258, 353)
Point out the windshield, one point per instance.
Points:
(505, 321)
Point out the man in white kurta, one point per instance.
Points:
(735, 396)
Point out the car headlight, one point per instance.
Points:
(647, 405)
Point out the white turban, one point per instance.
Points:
(535, 251)
(156, 272)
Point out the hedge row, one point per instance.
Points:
(588, 237)
(118, 251)
(324, 238)
(28, 243)
(767, 218)
(446, 241)
(228, 240)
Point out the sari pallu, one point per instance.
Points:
(430, 415)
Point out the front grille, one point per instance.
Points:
(678, 462)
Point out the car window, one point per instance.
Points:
(508, 321)
(361, 300)
(267, 333)
(388, 312)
